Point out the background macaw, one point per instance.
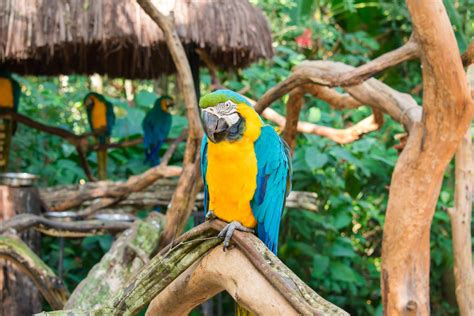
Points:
(101, 117)
(156, 127)
(246, 168)
(10, 93)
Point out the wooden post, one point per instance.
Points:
(18, 294)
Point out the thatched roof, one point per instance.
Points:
(117, 38)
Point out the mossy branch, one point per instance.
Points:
(50, 286)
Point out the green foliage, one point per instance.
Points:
(336, 250)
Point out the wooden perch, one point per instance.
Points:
(128, 254)
(50, 227)
(112, 189)
(50, 286)
(160, 193)
(196, 268)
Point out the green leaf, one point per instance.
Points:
(320, 265)
(314, 114)
(342, 220)
(315, 159)
(342, 272)
(342, 247)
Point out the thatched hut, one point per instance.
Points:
(118, 39)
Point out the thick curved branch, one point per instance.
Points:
(198, 255)
(187, 189)
(60, 228)
(400, 106)
(50, 286)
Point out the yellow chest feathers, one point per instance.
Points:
(232, 172)
(6, 93)
(99, 115)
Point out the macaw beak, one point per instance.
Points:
(214, 127)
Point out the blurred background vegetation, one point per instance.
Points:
(336, 250)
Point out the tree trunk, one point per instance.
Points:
(418, 175)
(18, 294)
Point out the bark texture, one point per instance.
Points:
(43, 279)
(418, 174)
(18, 294)
(461, 216)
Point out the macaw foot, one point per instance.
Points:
(210, 215)
(228, 231)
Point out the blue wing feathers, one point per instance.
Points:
(156, 127)
(273, 175)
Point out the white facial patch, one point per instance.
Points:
(226, 111)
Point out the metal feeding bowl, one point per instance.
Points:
(21, 179)
(114, 217)
(63, 216)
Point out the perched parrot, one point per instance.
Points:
(101, 116)
(9, 101)
(156, 127)
(246, 168)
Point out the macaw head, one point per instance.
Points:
(89, 101)
(220, 116)
(165, 103)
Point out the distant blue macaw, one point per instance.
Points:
(156, 127)
(246, 167)
(101, 117)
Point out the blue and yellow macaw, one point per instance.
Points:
(101, 117)
(10, 93)
(156, 127)
(246, 168)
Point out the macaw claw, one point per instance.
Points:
(210, 215)
(228, 231)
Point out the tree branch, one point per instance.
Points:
(50, 286)
(354, 77)
(400, 106)
(54, 228)
(183, 199)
